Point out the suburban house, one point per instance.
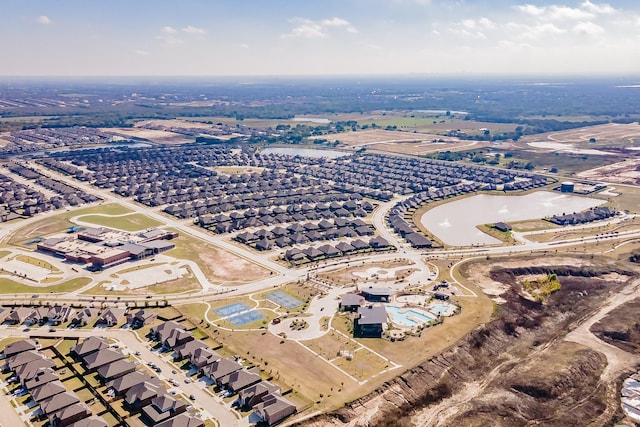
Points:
(370, 321)
(182, 420)
(59, 401)
(43, 376)
(18, 347)
(31, 369)
(69, 415)
(88, 346)
(18, 315)
(48, 390)
(203, 356)
(93, 421)
(162, 331)
(60, 314)
(116, 369)
(252, 395)
(239, 380)
(84, 316)
(220, 368)
(122, 384)
(102, 357)
(501, 226)
(111, 316)
(186, 350)
(163, 407)
(177, 337)
(140, 318)
(17, 360)
(273, 409)
(141, 394)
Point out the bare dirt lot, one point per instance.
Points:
(624, 172)
(606, 135)
(157, 136)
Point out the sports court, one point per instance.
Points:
(231, 309)
(283, 300)
(245, 318)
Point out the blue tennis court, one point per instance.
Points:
(231, 309)
(283, 300)
(244, 318)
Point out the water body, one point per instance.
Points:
(304, 152)
(455, 223)
(317, 120)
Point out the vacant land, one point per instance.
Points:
(606, 135)
(624, 172)
(217, 264)
(128, 222)
(8, 286)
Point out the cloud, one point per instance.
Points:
(307, 28)
(530, 9)
(190, 29)
(588, 28)
(142, 52)
(169, 36)
(602, 8)
(44, 20)
(473, 28)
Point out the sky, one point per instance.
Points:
(318, 37)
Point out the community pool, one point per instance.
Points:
(408, 317)
(441, 309)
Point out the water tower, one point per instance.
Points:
(567, 187)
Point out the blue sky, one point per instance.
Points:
(318, 37)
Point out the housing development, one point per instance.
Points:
(233, 266)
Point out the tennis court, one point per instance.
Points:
(283, 300)
(231, 309)
(245, 318)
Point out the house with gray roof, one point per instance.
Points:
(58, 402)
(47, 390)
(69, 415)
(141, 394)
(93, 421)
(121, 384)
(252, 395)
(273, 409)
(18, 347)
(220, 368)
(239, 380)
(182, 420)
(102, 357)
(350, 302)
(42, 376)
(88, 346)
(112, 316)
(185, 350)
(163, 407)
(116, 369)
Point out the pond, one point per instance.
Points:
(304, 152)
(455, 223)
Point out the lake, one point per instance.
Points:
(304, 152)
(455, 223)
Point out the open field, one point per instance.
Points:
(217, 264)
(60, 222)
(130, 222)
(8, 286)
(607, 135)
(624, 172)
(157, 136)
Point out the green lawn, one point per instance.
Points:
(8, 286)
(132, 222)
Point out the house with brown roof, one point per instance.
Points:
(38, 315)
(203, 356)
(18, 315)
(93, 421)
(116, 369)
(253, 395)
(239, 380)
(84, 316)
(220, 368)
(162, 331)
(60, 314)
(121, 384)
(186, 350)
(177, 337)
(140, 318)
(48, 390)
(141, 394)
(57, 402)
(182, 420)
(18, 347)
(273, 409)
(102, 357)
(88, 346)
(43, 376)
(69, 415)
(29, 370)
(20, 359)
(111, 316)
(163, 407)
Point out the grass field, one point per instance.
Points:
(38, 263)
(8, 286)
(61, 222)
(131, 222)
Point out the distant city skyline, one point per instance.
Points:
(329, 37)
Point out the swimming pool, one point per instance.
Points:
(408, 317)
(441, 309)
